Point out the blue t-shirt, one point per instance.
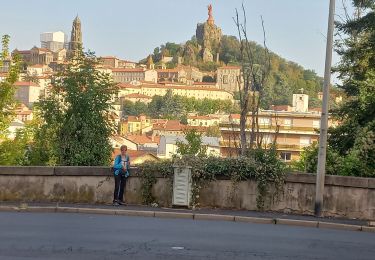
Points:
(119, 162)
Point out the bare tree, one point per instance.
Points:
(251, 83)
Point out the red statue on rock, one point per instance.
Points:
(210, 19)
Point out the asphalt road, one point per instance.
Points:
(82, 236)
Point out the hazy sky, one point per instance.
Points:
(132, 29)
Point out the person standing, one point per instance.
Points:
(121, 172)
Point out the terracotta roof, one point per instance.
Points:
(127, 85)
(133, 154)
(170, 125)
(202, 117)
(25, 83)
(128, 70)
(137, 95)
(23, 52)
(143, 139)
(235, 116)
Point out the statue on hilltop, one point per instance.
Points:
(209, 36)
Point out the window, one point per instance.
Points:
(305, 140)
(225, 79)
(264, 121)
(288, 123)
(286, 156)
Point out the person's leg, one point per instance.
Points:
(122, 189)
(117, 186)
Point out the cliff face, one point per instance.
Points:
(209, 37)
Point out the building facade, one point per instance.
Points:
(228, 78)
(127, 75)
(291, 131)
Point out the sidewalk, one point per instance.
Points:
(198, 214)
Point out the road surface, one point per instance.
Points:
(84, 236)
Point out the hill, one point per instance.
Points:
(285, 77)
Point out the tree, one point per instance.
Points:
(31, 78)
(251, 82)
(356, 70)
(193, 144)
(77, 113)
(7, 102)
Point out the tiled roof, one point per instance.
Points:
(25, 83)
(143, 139)
(128, 70)
(235, 116)
(202, 117)
(170, 125)
(133, 154)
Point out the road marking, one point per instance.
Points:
(178, 247)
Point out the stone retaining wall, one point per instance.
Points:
(344, 196)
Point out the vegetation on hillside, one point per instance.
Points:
(177, 107)
(285, 77)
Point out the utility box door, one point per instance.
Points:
(181, 186)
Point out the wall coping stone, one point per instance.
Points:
(330, 180)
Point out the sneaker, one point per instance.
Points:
(115, 203)
(121, 203)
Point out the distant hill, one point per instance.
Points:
(285, 78)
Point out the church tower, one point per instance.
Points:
(75, 44)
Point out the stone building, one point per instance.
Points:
(227, 78)
(41, 56)
(126, 75)
(209, 37)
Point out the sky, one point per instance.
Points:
(295, 29)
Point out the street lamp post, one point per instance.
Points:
(324, 118)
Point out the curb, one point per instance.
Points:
(135, 213)
(213, 217)
(254, 220)
(186, 215)
(165, 214)
(295, 222)
(339, 226)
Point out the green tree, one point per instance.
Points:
(77, 113)
(7, 102)
(193, 144)
(356, 70)
(30, 78)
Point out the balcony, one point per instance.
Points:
(280, 146)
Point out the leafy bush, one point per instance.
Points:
(262, 166)
(147, 171)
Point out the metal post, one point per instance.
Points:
(324, 119)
